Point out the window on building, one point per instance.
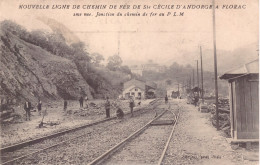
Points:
(136, 89)
(132, 93)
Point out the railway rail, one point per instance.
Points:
(107, 156)
(66, 136)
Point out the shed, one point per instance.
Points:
(150, 88)
(244, 101)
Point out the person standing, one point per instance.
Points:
(196, 99)
(65, 105)
(27, 108)
(81, 102)
(166, 99)
(39, 107)
(131, 105)
(107, 107)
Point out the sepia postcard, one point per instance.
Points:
(126, 82)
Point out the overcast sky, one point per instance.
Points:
(162, 39)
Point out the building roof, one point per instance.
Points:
(248, 68)
(134, 82)
(151, 84)
(133, 87)
(140, 84)
(151, 90)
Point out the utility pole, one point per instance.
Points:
(178, 90)
(190, 82)
(202, 90)
(119, 43)
(183, 86)
(193, 79)
(215, 61)
(198, 77)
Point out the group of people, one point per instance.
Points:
(119, 112)
(28, 106)
(81, 103)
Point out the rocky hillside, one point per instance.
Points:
(40, 65)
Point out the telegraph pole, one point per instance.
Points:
(178, 90)
(119, 43)
(183, 86)
(193, 79)
(187, 82)
(198, 77)
(215, 62)
(202, 91)
(190, 82)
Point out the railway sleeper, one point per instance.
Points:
(162, 122)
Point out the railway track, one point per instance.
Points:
(138, 147)
(28, 148)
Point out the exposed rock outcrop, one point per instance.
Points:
(29, 72)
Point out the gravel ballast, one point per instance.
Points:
(21, 131)
(147, 147)
(98, 139)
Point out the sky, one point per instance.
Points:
(162, 39)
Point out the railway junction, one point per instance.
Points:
(159, 133)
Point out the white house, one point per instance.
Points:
(138, 89)
(134, 91)
(134, 88)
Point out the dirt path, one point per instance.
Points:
(196, 141)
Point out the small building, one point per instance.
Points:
(244, 101)
(150, 88)
(138, 89)
(135, 88)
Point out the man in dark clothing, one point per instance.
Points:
(27, 108)
(81, 102)
(39, 106)
(196, 98)
(107, 107)
(166, 99)
(65, 105)
(131, 105)
(119, 113)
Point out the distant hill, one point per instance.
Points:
(226, 59)
(177, 73)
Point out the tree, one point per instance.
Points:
(114, 62)
(125, 69)
(96, 58)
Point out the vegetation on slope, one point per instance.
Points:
(42, 65)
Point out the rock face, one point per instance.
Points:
(30, 72)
